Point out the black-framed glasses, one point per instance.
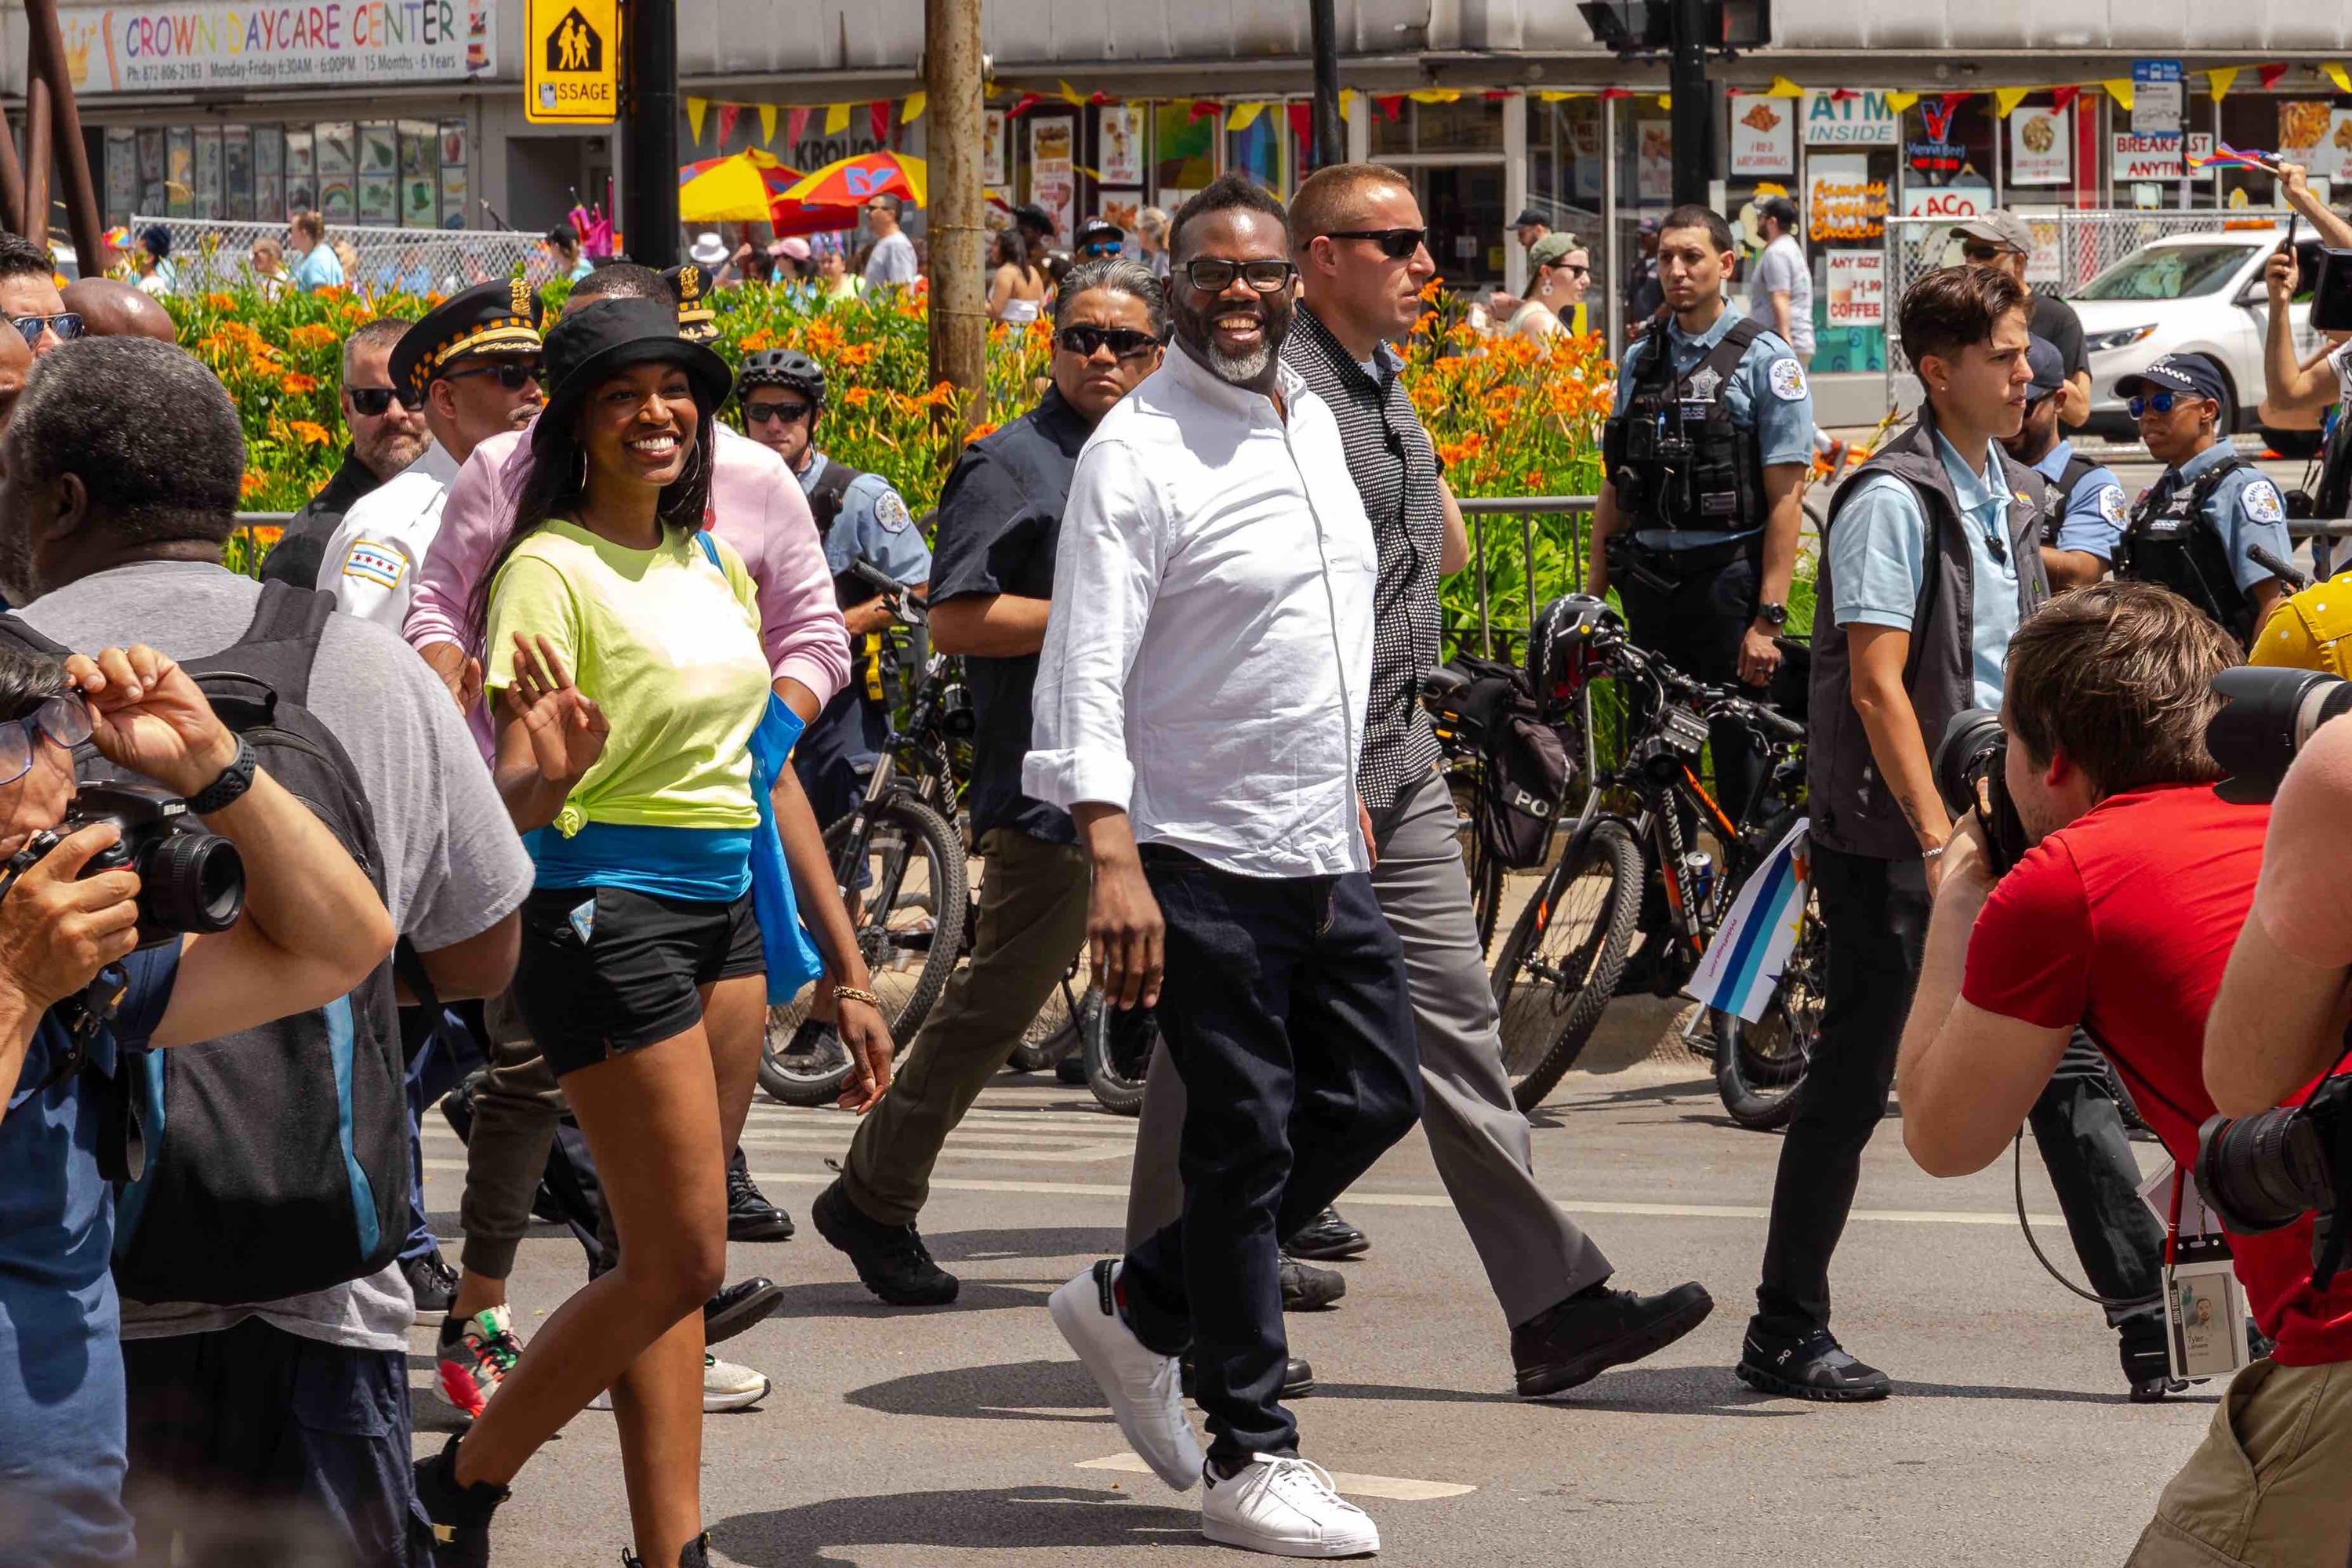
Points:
(1982, 253)
(1210, 275)
(370, 401)
(760, 413)
(2144, 402)
(64, 720)
(1396, 243)
(67, 325)
(513, 375)
(1577, 268)
(1125, 343)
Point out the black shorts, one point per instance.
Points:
(630, 979)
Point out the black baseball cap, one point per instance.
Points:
(1098, 231)
(2192, 374)
(1528, 217)
(2048, 368)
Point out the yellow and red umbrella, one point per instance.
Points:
(853, 182)
(741, 187)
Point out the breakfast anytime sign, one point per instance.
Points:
(326, 43)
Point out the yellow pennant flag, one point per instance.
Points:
(1244, 116)
(1070, 94)
(2120, 89)
(1783, 88)
(912, 110)
(1434, 95)
(1666, 100)
(2005, 99)
(2220, 79)
(767, 123)
(2335, 70)
(1552, 95)
(696, 108)
(1348, 103)
(1899, 101)
(836, 119)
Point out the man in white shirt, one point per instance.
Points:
(892, 259)
(472, 363)
(1201, 695)
(1780, 285)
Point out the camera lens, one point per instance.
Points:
(2258, 1172)
(2265, 717)
(1971, 741)
(192, 882)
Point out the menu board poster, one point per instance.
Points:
(1121, 128)
(2317, 135)
(1842, 200)
(1654, 160)
(1053, 180)
(1857, 288)
(992, 147)
(1763, 136)
(2041, 147)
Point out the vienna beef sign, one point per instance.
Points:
(319, 43)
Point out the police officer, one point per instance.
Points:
(2195, 529)
(472, 365)
(1705, 456)
(2083, 506)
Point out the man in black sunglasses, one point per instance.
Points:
(472, 365)
(386, 437)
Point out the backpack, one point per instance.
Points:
(277, 1158)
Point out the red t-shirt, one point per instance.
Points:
(2122, 921)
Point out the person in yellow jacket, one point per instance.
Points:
(2310, 630)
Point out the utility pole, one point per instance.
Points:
(649, 142)
(48, 55)
(958, 299)
(1331, 142)
(1694, 108)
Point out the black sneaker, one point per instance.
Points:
(460, 1515)
(695, 1553)
(1307, 1289)
(1578, 1339)
(1814, 1366)
(2148, 1369)
(890, 1259)
(1327, 1238)
(433, 1282)
(750, 1216)
(1298, 1376)
(738, 1306)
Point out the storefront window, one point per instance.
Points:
(1393, 135)
(379, 174)
(236, 173)
(180, 170)
(268, 172)
(122, 174)
(338, 195)
(302, 172)
(1472, 124)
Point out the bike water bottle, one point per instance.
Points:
(1698, 879)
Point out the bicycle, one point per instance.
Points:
(1568, 954)
(1466, 699)
(913, 918)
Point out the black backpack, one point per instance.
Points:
(278, 1158)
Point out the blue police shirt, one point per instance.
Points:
(2095, 513)
(1768, 393)
(2246, 508)
(1878, 558)
(62, 1426)
(873, 526)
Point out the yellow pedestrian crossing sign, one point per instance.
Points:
(571, 62)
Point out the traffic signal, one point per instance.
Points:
(1630, 26)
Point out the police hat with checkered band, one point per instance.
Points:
(499, 318)
(696, 321)
(2192, 374)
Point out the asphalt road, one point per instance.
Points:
(970, 1434)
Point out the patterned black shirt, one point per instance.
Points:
(1396, 473)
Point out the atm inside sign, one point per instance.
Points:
(571, 62)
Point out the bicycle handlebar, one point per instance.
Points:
(906, 604)
(1712, 700)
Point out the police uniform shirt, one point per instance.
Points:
(1768, 393)
(2245, 507)
(873, 526)
(2095, 514)
(371, 562)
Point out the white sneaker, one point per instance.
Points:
(1142, 1386)
(1284, 1506)
(725, 1387)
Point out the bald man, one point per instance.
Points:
(109, 308)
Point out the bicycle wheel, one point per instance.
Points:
(1119, 1042)
(910, 927)
(1761, 1067)
(1559, 966)
(1053, 1033)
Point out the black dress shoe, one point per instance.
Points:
(433, 1282)
(1298, 1376)
(738, 1306)
(2148, 1369)
(750, 1216)
(1578, 1339)
(891, 1259)
(1307, 1289)
(460, 1516)
(1814, 1366)
(1327, 1238)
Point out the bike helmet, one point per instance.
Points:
(783, 367)
(1561, 648)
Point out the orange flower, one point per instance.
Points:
(297, 384)
(311, 335)
(220, 301)
(309, 432)
(248, 485)
(858, 396)
(984, 428)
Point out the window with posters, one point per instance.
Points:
(1053, 171)
(1844, 211)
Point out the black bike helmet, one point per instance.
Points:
(783, 367)
(1561, 648)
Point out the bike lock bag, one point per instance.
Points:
(1518, 800)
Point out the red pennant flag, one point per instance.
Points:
(1390, 105)
(2059, 97)
(797, 123)
(1951, 103)
(1844, 94)
(877, 114)
(1495, 96)
(1204, 109)
(1609, 92)
(2270, 75)
(727, 113)
(1029, 100)
(1302, 122)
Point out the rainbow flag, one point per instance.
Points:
(1742, 965)
(2225, 157)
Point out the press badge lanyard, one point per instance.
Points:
(2204, 1304)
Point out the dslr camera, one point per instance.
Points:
(189, 879)
(1969, 776)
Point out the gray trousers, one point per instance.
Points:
(1534, 1253)
(516, 1105)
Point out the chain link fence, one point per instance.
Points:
(208, 254)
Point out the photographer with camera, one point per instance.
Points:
(88, 968)
(2130, 879)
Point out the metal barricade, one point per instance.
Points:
(208, 254)
(1477, 509)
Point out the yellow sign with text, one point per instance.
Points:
(571, 62)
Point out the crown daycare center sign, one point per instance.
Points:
(322, 43)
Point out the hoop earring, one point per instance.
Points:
(581, 487)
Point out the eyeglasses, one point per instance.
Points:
(1577, 268)
(66, 325)
(1396, 243)
(1981, 252)
(2156, 402)
(370, 401)
(1212, 276)
(1100, 247)
(64, 720)
(760, 413)
(1125, 343)
(513, 375)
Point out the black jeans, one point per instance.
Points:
(1696, 626)
(1284, 1010)
(1876, 911)
(2079, 1128)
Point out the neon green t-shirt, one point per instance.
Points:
(668, 647)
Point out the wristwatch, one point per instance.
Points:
(230, 786)
(1773, 614)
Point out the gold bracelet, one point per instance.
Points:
(852, 993)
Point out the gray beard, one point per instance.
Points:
(1239, 370)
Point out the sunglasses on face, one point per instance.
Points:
(513, 375)
(372, 401)
(1575, 269)
(1982, 253)
(2155, 403)
(1210, 275)
(1099, 248)
(64, 720)
(760, 413)
(1396, 243)
(68, 327)
(1125, 343)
